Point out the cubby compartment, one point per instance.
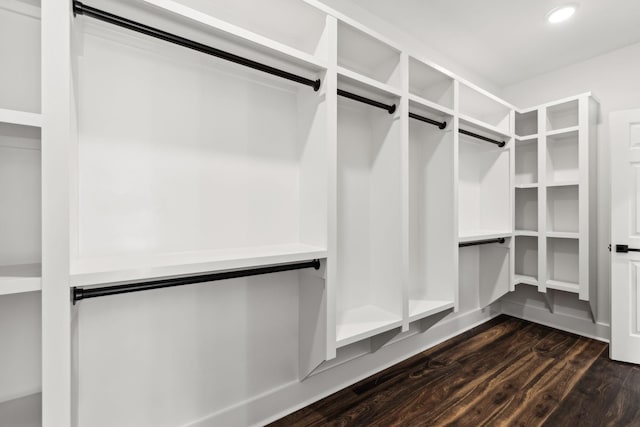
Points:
(562, 209)
(526, 209)
(527, 123)
(484, 187)
(430, 84)
(526, 162)
(563, 158)
(484, 271)
(364, 54)
(432, 232)
(562, 116)
(369, 245)
(20, 360)
(224, 168)
(563, 264)
(484, 108)
(20, 215)
(20, 53)
(526, 260)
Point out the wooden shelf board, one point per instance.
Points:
(429, 105)
(563, 286)
(240, 35)
(21, 118)
(524, 279)
(483, 235)
(363, 322)
(563, 234)
(529, 233)
(563, 183)
(367, 83)
(24, 412)
(483, 126)
(93, 271)
(16, 279)
(421, 308)
(562, 131)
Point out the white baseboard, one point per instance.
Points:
(296, 395)
(561, 321)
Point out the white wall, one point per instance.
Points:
(614, 79)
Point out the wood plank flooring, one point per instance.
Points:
(506, 372)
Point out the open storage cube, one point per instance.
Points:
(561, 116)
(526, 162)
(224, 168)
(526, 260)
(484, 271)
(369, 264)
(527, 123)
(20, 70)
(562, 209)
(428, 83)
(20, 215)
(526, 209)
(484, 187)
(482, 107)
(563, 264)
(432, 233)
(563, 158)
(368, 56)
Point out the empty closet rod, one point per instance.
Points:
(84, 293)
(81, 9)
(440, 125)
(390, 108)
(484, 138)
(481, 242)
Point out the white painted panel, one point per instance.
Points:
(634, 134)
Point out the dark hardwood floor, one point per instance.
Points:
(506, 372)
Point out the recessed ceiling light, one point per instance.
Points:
(562, 13)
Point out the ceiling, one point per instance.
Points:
(508, 41)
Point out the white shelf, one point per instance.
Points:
(532, 185)
(524, 279)
(15, 279)
(526, 233)
(563, 183)
(484, 235)
(527, 138)
(563, 131)
(253, 40)
(20, 118)
(367, 83)
(483, 126)
(23, 412)
(363, 322)
(422, 102)
(419, 308)
(95, 271)
(563, 286)
(563, 235)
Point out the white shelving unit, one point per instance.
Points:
(559, 150)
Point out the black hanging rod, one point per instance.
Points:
(440, 125)
(484, 138)
(84, 293)
(390, 108)
(80, 8)
(481, 242)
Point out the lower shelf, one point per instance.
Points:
(363, 322)
(419, 308)
(15, 279)
(524, 279)
(563, 286)
(23, 412)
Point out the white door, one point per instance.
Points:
(625, 235)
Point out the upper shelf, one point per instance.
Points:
(20, 278)
(20, 118)
(430, 85)
(486, 109)
(93, 271)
